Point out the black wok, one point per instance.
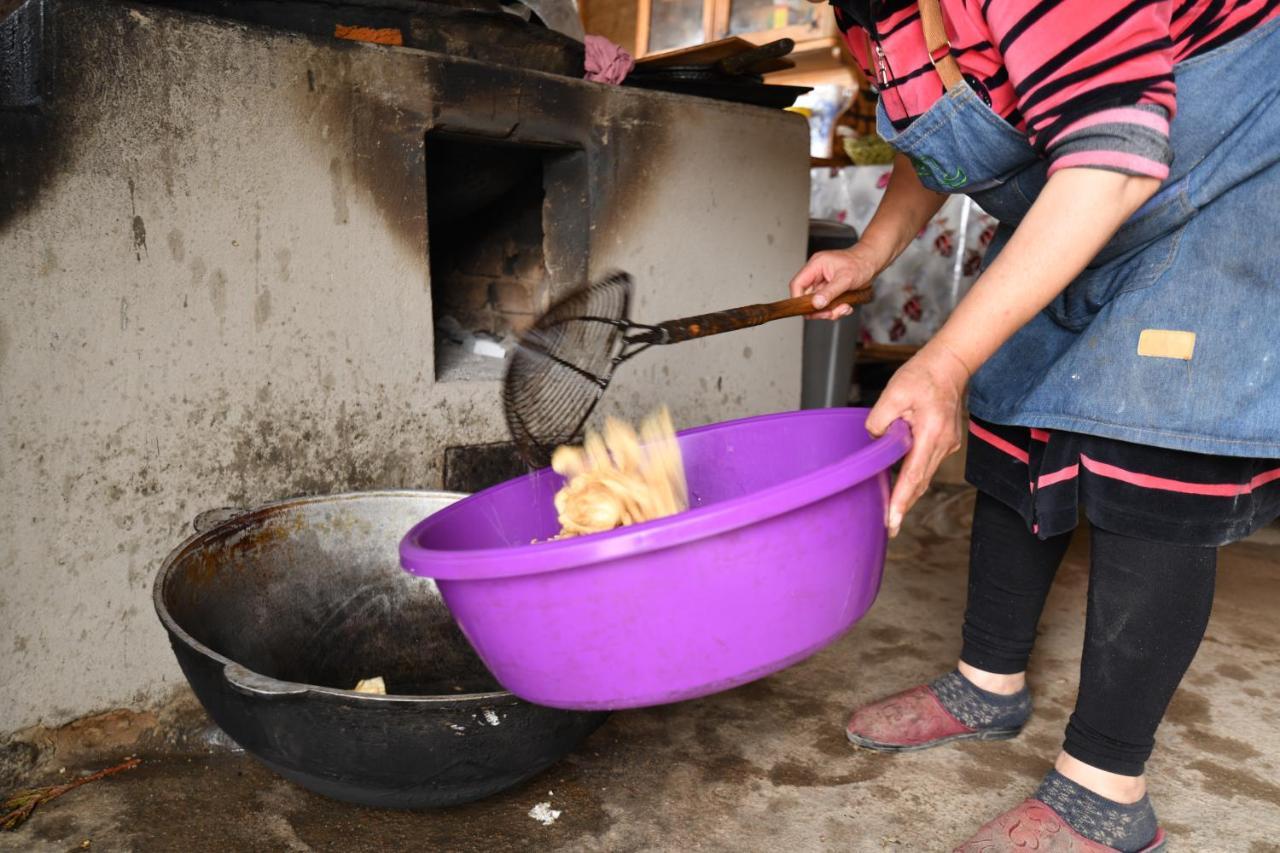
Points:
(276, 613)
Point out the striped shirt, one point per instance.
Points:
(1090, 82)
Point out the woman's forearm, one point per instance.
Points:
(1075, 216)
(907, 206)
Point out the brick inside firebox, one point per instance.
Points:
(489, 214)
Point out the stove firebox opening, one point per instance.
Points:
(507, 224)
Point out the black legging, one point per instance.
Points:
(1149, 605)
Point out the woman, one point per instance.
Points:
(1118, 350)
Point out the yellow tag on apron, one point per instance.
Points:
(1162, 343)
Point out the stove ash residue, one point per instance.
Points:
(464, 355)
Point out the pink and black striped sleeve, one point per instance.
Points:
(1093, 80)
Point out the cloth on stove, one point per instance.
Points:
(606, 61)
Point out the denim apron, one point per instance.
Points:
(1171, 336)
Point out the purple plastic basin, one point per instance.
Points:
(780, 553)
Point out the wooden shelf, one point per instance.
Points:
(820, 62)
(820, 55)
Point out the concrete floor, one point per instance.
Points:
(766, 767)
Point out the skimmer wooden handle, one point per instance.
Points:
(703, 325)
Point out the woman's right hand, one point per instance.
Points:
(906, 207)
(830, 274)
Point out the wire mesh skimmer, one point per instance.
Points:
(566, 360)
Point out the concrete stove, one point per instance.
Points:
(227, 248)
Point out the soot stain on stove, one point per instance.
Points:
(371, 114)
(314, 449)
(139, 227)
(34, 135)
(69, 69)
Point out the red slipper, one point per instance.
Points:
(913, 720)
(1035, 826)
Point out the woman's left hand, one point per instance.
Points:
(926, 392)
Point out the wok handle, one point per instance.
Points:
(211, 518)
(254, 684)
(702, 325)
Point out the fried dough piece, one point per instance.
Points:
(619, 477)
(374, 685)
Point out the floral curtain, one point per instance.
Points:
(917, 294)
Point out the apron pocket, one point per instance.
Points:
(959, 145)
(1140, 268)
(1165, 212)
